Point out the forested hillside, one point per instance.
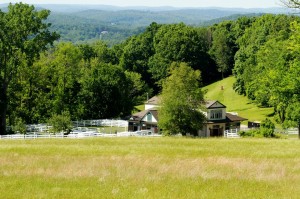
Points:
(87, 24)
(97, 80)
(114, 25)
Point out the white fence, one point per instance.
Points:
(83, 123)
(89, 134)
(105, 122)
(292, 131)
(232, 133)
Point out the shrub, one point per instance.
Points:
(61, 123)
(250, 133)
(19, 126)
(267, 128)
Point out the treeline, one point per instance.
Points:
(81, 29)
(267, 66)
(264, 55)
(83, 80)
(97, 81)
(115, 27)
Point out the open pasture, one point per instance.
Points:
(150, 168)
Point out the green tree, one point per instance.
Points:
(271, 85)
(182, 101)
(19, 126)
(262, 30)
(103, 53)
(267, 128)
(61, 122)
(23, 36)
(137, 52)
(223, 47)
(67, 64)
(277, 76)
(24, 93)
(104, 91)
(293, 79)
(137, 89)
(181, 43)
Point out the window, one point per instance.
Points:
(149, 117)
(216, 114)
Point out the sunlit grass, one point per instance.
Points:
(223, 91)
(150, 168)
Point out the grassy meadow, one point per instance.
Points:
(223, 91)
(150, 168)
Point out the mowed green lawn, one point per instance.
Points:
(223, 91)
(150, 168)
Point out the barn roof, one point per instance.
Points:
(140, 115)
(154, 100)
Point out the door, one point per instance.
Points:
(215, 133)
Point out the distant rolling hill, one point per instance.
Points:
(86, 26)
(86, 23)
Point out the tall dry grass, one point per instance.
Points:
(150, 168)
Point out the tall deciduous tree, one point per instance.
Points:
(277, 74)
(23, 36)
(67, 63)
(104, 91)
(180, 43)
(223, 47)
(137, 52)
(182, 101)
(293, 109)
(261, 30)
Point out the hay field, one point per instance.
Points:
(150, 168)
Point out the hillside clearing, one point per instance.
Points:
(223, 91)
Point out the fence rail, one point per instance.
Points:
(89, 134)
(232, 133)
(83, 123)
(104, 122)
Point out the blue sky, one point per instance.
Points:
(155, 3)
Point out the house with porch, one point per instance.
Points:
(218, 120)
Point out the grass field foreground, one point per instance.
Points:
(150, 168)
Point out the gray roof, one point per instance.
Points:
(229, 118)
(210, 103)
(234, 118)
(140, 115)
(154, 100)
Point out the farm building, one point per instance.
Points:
(218, 120)
(147, 119)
